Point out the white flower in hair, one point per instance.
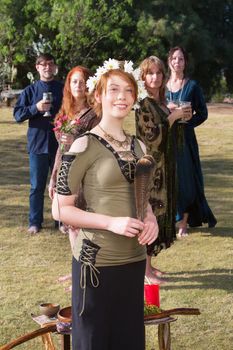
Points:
(91, 83)
(142, 93)
(111, 64)
(136, 106)
(137, 73)
(128, 67)
(100, 71)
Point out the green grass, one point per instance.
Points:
(199, 268)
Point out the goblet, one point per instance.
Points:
(47, 98)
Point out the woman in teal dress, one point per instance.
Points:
(192, 206)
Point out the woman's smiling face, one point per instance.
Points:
(118, 98)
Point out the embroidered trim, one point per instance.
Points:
(62, 179)
(127, 167)
(87, 259)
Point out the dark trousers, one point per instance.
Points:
(113, 317)
(40, 164)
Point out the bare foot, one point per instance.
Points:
(182, 232)
(68, 289)
(64, 278)
(154, 279)
(157, 272)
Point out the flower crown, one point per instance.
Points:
(111, 63)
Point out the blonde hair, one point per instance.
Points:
(102, 85)
(145, 68)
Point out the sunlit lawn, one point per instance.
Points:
(199, 268)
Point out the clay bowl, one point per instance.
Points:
(65, 315)
(49, 309)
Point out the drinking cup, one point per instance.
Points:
(183, 105)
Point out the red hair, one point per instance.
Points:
(102, 85)
(68, 101)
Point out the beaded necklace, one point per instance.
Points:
(180, 94)
(124, 144)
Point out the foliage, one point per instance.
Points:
(87, 32)
(221, 92)
(151, 309)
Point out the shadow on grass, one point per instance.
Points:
(201, 279)
(14, 168)
(217, 166)
(16, 216)
(3, 122)
(18, 211)
(214, 231)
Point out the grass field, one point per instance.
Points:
(199, 268)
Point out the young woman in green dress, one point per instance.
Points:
(109, 252)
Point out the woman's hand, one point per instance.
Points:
(67, 139)
(172, 105)
(51, 189)
(73, 233)
(187, 111)
(151, 229)
(184, 113)
(125, 226)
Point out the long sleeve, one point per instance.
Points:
(200, 112)
(25, 107)
(40, 135)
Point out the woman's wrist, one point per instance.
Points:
(52, 183)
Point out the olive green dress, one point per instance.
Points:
(108, 195)
(107, 269)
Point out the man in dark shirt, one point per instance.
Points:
(42, 144)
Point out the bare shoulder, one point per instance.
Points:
(79, 145)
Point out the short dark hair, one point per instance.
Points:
(45, 57)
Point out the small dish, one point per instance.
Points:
(49, 309)
(65, 315)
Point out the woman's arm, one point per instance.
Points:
(67, 140)
(200, 112)
(63, 209)
(53, 177)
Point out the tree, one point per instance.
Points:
(203, 27)
(89, 31)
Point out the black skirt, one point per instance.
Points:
(113, 315)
